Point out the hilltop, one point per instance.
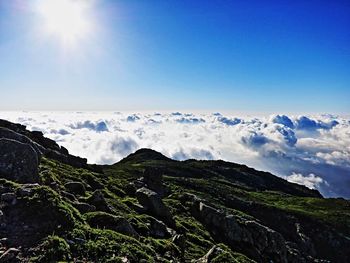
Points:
(149, 208)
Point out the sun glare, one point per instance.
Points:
(67, 20)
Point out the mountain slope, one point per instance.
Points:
(149, 208)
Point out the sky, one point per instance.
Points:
(246, 56)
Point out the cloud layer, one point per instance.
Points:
(309, 150)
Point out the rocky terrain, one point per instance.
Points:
(149, 208)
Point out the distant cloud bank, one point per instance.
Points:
(309, 150)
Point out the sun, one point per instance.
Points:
(66, 20)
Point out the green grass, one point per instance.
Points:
(332, 211)
(80, 242)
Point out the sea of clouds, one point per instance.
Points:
(309, 150)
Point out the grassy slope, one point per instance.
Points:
(205, 179)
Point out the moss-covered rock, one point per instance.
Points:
(107, 221)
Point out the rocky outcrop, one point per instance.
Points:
(18, 161)
(253, 239)
(67, 159)
(9, 134)
(42, 145)
(154, 205)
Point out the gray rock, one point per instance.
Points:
(153, 178)
(158, 229)
(75, 188)
(18, 161)
(117, 223)
(154, 205)
(98, 200)
(12, 135)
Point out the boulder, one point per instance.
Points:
(75, 188)
(158, 229)
(98, 200)
(84, 207)
(117, 223)
(154, 205)
(12, 135)
(18, 161)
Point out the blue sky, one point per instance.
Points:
(262, 56)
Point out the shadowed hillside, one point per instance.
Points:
(149, 208)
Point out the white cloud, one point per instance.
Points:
(311, 181)
(284, 145)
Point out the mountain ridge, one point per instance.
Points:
(149, 208)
